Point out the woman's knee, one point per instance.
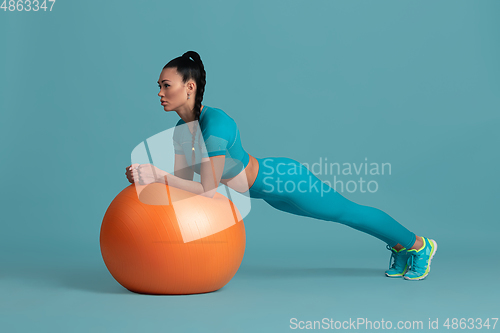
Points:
(351, 214)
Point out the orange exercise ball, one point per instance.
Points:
(157, 239)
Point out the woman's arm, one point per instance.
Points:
(181, 167)
(210, 174)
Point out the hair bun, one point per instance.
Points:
(193, 56)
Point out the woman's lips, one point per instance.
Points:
(163, 103)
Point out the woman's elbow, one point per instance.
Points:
(209, 194)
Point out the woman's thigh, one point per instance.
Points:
(288, 185)
(285, 206)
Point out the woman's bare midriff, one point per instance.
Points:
(245, 179)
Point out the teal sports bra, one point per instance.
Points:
(220, 136)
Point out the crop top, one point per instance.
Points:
(220, 136)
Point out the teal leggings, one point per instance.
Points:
(290, 186)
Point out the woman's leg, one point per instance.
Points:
(290, 208)
(289, 186)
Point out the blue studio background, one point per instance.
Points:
(410, 83)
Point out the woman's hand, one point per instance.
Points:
(131, 172)
(145, 174)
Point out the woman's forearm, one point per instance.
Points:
(184, 184)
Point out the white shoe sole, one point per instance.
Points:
(430, 259)
(397, 275)
(394, 276)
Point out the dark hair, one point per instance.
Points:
(191, 69)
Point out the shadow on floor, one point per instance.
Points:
(298, 272)
(97, 279)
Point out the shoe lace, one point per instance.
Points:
(417, 263)
(393, 261)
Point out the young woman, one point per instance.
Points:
(222, 159)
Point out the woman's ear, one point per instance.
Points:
(191, 87)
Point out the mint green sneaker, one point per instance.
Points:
(399, 261)
(420, 260)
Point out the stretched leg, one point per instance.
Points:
(290, 186)
(290, 208)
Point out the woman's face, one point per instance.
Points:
(173, 92)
